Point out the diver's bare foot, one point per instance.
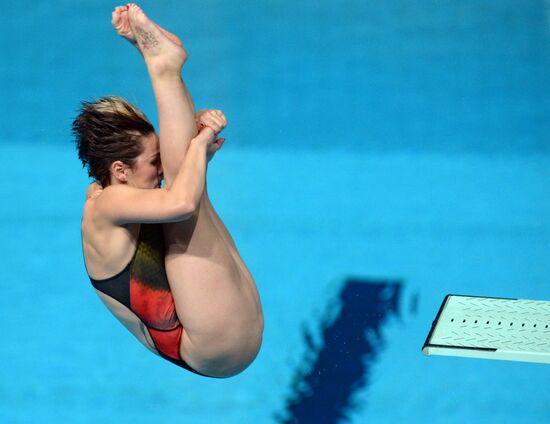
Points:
(160, 53)
(121, 23)
(122, 26)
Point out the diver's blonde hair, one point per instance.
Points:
(116, 105)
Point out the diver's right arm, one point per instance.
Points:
(122, 204)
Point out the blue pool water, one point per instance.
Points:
(379, 156)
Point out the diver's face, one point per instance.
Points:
(147, 170)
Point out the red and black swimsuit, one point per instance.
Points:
(143, 288)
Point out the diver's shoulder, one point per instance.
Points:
(94, 189)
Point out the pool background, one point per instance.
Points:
(382, 140)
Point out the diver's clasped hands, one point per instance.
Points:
(213, 118)
(216, 121)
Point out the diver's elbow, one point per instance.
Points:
(187, 206)
(185, 210)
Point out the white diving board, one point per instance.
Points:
(491, 328)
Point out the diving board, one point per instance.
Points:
(491, 328)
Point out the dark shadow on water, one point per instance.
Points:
(351, 340)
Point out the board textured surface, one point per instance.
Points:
(492, 328)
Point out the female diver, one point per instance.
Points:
(160, 258)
